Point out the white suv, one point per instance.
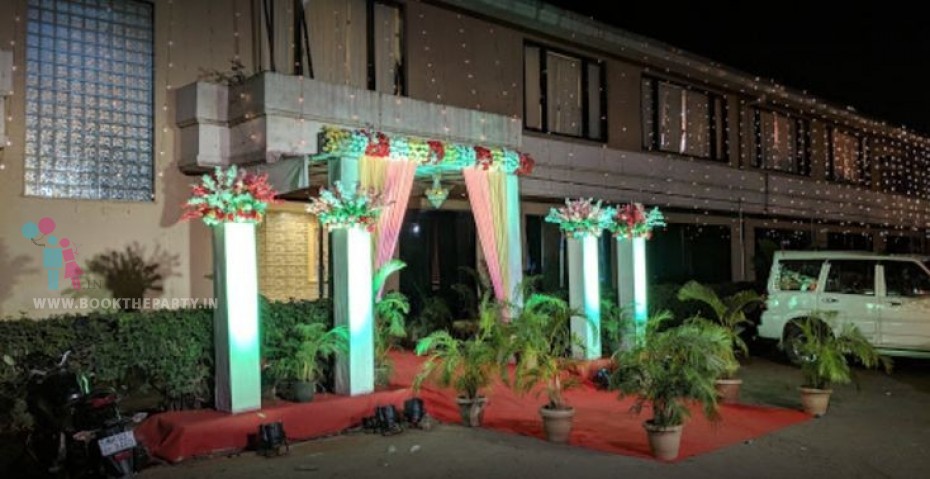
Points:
(887, 297)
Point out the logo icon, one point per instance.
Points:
(58, 254)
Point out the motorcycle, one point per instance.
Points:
(78, 432)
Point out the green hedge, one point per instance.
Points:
(166, 352)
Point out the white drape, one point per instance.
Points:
(563, 94)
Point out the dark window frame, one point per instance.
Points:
(802, 143)
(865, 160)
(371, 64)
(719, 150)
(585, 94)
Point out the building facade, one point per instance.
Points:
(102, 130)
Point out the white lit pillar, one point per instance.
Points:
(353, 299)
(514, 238)
(235, 319)
(585, 296)
(632, 290)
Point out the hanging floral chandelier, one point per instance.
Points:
(436, 194)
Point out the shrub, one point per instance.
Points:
(169, 352)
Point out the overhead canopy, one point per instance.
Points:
(298, 177)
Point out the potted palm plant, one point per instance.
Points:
(314, 344)
(824, 360)
(730, 313)
(466, 365)
(669, 370)
(539, 339)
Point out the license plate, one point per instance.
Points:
(118, 442)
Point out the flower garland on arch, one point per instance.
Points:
(581, 217)
(633, 221)
(425, 152)
(341, 207)
(229, 196)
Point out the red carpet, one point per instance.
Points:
(602, 422)
(176, 436)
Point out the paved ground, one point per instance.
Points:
(881, 431)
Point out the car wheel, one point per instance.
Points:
(791, 344)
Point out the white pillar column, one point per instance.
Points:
(584, 295)
(353, 299)
(235, 319)
(632, 288)
(353, 306)
(514, 238)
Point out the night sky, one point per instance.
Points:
(874, 60)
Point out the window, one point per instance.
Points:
(781, 142)
(677, 119)
(89, 103)
(851, 277)
(563, 94)
(848, 161)
(841, 241)
(903, 169)
(904, 278)
(799, 275)
(358, 43)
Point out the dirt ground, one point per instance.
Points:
(880, 431)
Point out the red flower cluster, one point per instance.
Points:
(229, 197)
(526, 165)
(380, 147)
(436, 151)
(483, 157)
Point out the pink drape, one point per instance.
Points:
(478, 183)
(394, 178)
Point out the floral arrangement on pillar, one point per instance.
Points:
(342, 207)
(229, 196)
(633, 221)
(581, 217)
(340, 141)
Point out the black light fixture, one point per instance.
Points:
(413, 411)
(271, 438)
(387, 418)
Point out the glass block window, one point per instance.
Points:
(89, 99)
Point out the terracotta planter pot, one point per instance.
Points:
(728, 390)
(557, 423)
(815, 401)
(472, 410)
(664, 441)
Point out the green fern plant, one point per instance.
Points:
(672, 368)
(540, 338)
(315, 344)
(466, 365)
(826, 355)
(730, 313)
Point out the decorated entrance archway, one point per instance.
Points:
(371, 176)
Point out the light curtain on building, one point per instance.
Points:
(779, 142)
(846, 157)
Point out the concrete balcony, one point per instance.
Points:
(271, 116)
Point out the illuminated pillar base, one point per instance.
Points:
(632, 290)
(353, 307)
(585, 295)
(235, 319)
